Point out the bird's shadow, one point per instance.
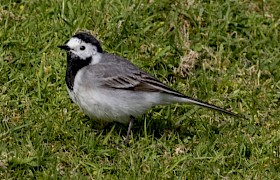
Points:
(146, 124)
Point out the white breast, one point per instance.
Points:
(111, 104)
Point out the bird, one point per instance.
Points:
(109, 88)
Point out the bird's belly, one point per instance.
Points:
(113, 105)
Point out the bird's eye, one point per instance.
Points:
(82, 48)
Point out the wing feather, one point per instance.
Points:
(119, 73)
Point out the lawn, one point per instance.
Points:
(223, 52)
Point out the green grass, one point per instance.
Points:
(223, 52)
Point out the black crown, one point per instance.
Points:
(88, 38)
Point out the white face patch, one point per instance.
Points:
(83, 50)
(74, 42)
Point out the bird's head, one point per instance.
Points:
(82, 45)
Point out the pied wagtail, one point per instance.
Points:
(110, 88)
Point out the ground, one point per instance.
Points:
(224, 52)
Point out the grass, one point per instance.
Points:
(223, 52)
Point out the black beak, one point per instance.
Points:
(64, 47)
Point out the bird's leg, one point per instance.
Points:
(129, 129)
